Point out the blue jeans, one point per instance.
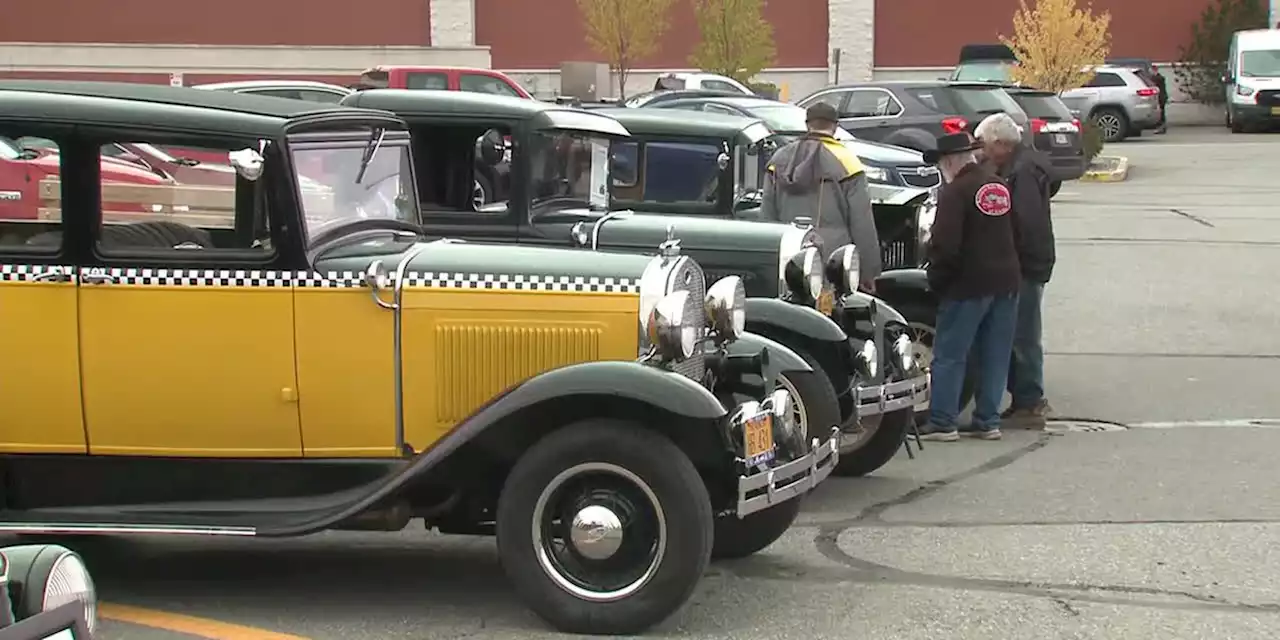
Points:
(986, 325)
(1026, 371)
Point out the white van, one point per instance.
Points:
(1253, 79)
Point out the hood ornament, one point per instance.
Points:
(670, 248)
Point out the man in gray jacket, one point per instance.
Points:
(820, 178)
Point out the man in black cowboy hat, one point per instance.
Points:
(819, 177)
(974, 270)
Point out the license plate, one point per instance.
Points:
(758, 434)
(1060, 138)
(1275, 111)
(826, 301)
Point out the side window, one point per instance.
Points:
(463, 170)
(681, 172)
(437, 81)
(327, 97)
(715, 108)
(870, 103)
(30, 192)
(719, 85)
(1104, 79)
(291, 94)
(933, 98)
(173, 198)
(833, 98)
(478, 83)
(624, 163)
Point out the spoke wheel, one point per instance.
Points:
(478, 195)
(922, 352)
(599, 532)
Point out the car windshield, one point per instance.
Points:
(983, 71)
(1264, 63)
(9, 150)
(570, 168)
(1044, 106)
(352, 182)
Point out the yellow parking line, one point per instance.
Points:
(190, 625)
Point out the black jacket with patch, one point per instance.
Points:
(972, 252)
(1027, 174)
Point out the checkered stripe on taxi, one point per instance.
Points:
(521, 282)
(188, 277)
(32, 272)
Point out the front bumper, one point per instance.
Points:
(1253, 113)
(891, 396)
(775, 485)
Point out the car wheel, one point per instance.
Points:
(1228, 116)
(1054, 187)
(481, 192)
(878, 447)
(814, 404)
(922, 350)
(1112, 123)
(1236, 125)
(604, 527)
(740, 537)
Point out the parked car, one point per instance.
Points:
(654, 98)
(985, 63)
(601, 413)
(1118, 101)
(565, 195)
(703, 81)
(492, 181)
(1055, 131)
(46, 593)
(442, 79)
(912, 114)
(1252, 81)
(672, 159)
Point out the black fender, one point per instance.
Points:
(781, 357)
(907, 290)
(859, 323)
(805, 321)
(490, 426)
(917, 139)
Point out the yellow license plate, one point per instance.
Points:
(1275, 111)
(758, 434)
(825, 302)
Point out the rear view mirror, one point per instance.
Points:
(492, 147)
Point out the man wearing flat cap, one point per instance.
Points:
(820, 178)
(974, 270)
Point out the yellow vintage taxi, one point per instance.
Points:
(285, 349)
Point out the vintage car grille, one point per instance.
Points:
(475, 362)
(920, 176)
(1269, 98)
(695, 367)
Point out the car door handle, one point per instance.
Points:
(97, 278)
(52, 276)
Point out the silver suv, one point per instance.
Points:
(1118, 101)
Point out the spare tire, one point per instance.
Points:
(154, 233)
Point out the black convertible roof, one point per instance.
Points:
(143, 105)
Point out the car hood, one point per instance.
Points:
(454, 260)
(888, 194)
(637, 229)
(1259, 81)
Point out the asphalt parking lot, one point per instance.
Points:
(1161, 316)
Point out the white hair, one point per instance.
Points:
(951, 164)
(999, 127)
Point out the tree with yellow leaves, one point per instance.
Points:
(624, 31)
(737, 40)
(1057, 43)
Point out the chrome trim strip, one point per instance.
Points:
(125, 529)
(790, 480)
(595, 228)
(892, 396)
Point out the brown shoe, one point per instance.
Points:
(1032, 418)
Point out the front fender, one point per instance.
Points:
(781, 357)
(907, 290)
(806, 321)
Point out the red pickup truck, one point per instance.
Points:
(442, 79)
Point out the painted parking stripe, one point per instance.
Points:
(190, 625)
(1255, 423)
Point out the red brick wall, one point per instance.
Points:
(188, 79)
(236, 22)
(540, 34)
(929, 33)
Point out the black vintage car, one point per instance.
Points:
(563, 195)
(671, 160)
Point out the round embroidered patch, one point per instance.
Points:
(993, 199)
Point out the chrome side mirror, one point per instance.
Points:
(579, 235)
(722, 160)
(376, 276)
(247, 162)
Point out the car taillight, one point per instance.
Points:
(1076, 122)
(1037, 124)
(954, 125)
(1148, 92)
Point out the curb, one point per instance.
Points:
(1116, 174)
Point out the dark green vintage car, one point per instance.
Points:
(563, 195)
(698, 163)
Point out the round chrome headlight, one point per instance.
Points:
(804, 273)
(674, 338)
(48, 576)
(843, 268)
(870, 357)
(726, 306)
(905, 350)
